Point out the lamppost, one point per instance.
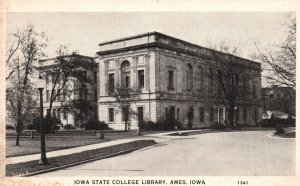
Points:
(41, 84)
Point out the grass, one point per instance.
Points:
(32, 166)
(60, 141)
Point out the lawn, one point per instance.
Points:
(54, 162)
(61, 140)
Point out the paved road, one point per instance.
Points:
(246, 153)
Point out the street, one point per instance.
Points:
(239, 153)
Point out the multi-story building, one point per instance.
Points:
(176, 76)
(90, 76)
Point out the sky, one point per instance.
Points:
(83, 31)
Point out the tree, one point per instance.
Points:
(124, 97)
(25, 48)
(229, 75)
(280, 63)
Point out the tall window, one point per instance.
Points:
(254, 91)
(210, 81)
(111, 83)
(201, 87)
(95, 94)
(125, 69)
(111, 115)
(58, 113)
(201, 114)
(140, 113)
(177, 113)
(255, 115)
(58, 95)
(211, 114)
(141, 78)
(189, 75)
(245, 115)
(95, 77)
(171, 80)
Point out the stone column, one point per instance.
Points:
(134, 71)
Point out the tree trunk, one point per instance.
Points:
(231, 116)
(18, 137)
(125, 125)
(101, 134)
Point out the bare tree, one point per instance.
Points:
(230, 76)
(280, 63)
(124, 97)
(25, 48)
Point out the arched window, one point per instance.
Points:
(125, 73)
(189, 77)
(200, 78)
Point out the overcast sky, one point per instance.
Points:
(84, 31)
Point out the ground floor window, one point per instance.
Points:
(140, 113)
(245, 115)
(201, 114)
(111, 115)
(211, 114)
(177, 113)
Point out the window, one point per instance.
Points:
(211, 114)
(177, 113)
(47, 95)
(201, 87)
(201, 114)
(64, 94)
(255, 115)
(171, 80)
(127, 81)
(95, 94)
(84, 75)
(172, 113)
(221, 115)
(189, 79)
(140, 113)
(141, 78)
(245, 115)
(58, 113)
(237, 114)
(254, 91)
(95, 77)
(210, 80)
(125, 69)
(111, 115)
(65, 115)
(111, 83)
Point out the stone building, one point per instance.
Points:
(176, 76)
(278, 98)
(90, 74)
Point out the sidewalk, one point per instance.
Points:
(158, 137)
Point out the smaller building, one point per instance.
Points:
(279, 99)
(89, 71)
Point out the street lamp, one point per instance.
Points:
(41, 84)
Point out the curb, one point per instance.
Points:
(84, 161)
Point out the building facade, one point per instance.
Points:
(88, 70)
(278, 98)
(175, 76)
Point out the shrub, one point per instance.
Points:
(68, 126)
(279, 130)
(160, 125)
(96, 125)
(218, 126)
(49, 124)
(9, 127)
